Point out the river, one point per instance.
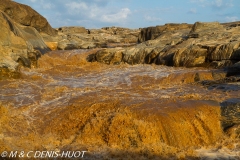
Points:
(116, 111)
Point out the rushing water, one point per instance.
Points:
(115, 111)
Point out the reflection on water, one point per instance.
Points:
(73, 103)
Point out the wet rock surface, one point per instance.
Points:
(230, 111)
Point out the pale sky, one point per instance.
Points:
(133, 13)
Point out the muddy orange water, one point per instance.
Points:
(115, 112)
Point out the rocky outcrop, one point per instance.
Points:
(203, 44)
(72, 30)
(26, 16)
(208, 44)
(69, 38)
(20, 41)
(19, 45)
(151, 33)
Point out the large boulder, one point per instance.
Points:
(19, 45)
(26, 16)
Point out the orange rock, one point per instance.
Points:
(52, 45)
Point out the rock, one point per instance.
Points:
(227, 51)
(80, 38)
(230, 112)
(72, 30)
(230, 25)
(200, 45)
(147, 52)
(118, 35)
(221, 63)
(166, 57)
(200, 29)
(109, 56)
(136, 55)
(236, 66)
(151, 57)
(52, 45)
(6, 73)
(88, 45)
(188, 77)
(26, 16)
(233, 132)
(19, 45)
(234, 70)
(133, 55)
(91, 58)
(236, 53)
(214, 43)
(151, 33)
(190, 57)
(67, 45)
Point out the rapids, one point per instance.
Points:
(116, 111)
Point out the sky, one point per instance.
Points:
(133, 13)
